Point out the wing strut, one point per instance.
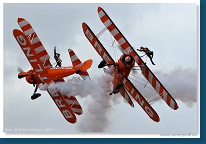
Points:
(148, 74)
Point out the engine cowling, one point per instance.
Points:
(126, 62)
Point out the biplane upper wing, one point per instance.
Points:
(96, 44)
(140, 99)
(104, 54)
(35, 42)
(129, 49)
(30, 53)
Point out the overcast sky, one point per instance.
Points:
(169, 30)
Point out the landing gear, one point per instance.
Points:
(77, 72)
(120, 84)
(102, 64)
(111, 93)
(35, 95)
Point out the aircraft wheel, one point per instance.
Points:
(119, 85)
(102, 64)
(34, 96)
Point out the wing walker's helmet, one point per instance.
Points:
(126, 62)
(127, 59)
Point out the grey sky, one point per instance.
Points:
(170, 30)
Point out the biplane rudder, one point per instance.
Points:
(81, 67)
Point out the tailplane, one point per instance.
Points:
(81, 68)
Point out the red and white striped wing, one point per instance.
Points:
(77, 63)
(30, 53)
(35, 42)
(124, 93)
(63, 106)
(96, 44)
(130, 88)
(128, 49)
(74, 104)
(72, 101)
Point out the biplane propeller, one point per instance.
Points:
(121, 69)
(42, 71)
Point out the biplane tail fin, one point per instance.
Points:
(81, 66)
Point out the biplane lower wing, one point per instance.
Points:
(156, 84)
(96, 44)
(72, 102)
(125, 95)
(62, 105)
(29, 52)
(35, 42)
(129, 87)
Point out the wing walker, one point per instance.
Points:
(121, 69)
(42, 71)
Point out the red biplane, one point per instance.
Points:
(120, 70)
(43, 72)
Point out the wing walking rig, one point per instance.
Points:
(42, 71)
(120, 70)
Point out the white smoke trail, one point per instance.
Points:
(180, 83)
(98, 103)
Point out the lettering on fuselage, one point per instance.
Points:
(27, 50)
(62, 107)
(68, 67)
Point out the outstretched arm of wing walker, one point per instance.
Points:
(128, 49)
(54, 51)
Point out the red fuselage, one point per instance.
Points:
(52, 74)
(122, 68)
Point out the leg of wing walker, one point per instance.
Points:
(57, 58)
